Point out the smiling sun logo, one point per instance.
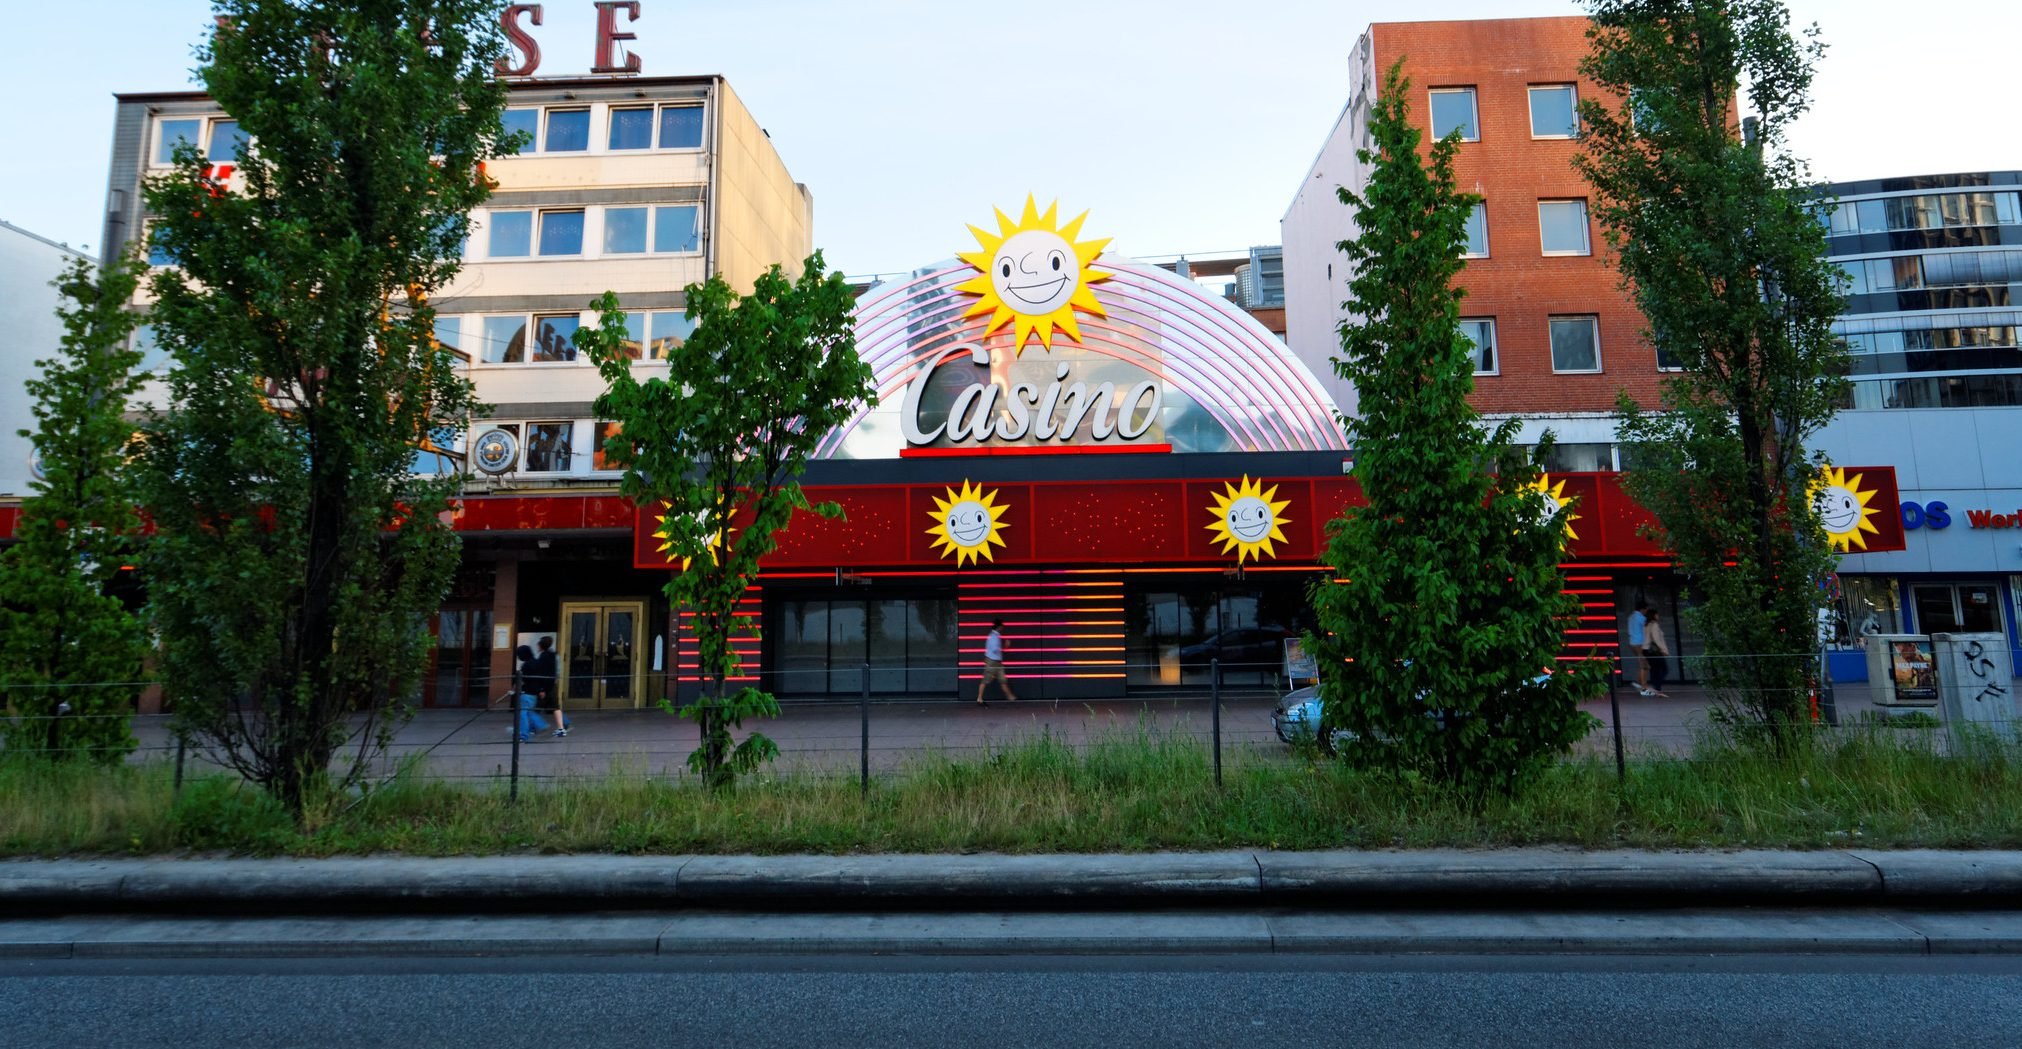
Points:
(966, 523)
(1033, 274)
(663, 530)
(1842, 506)
(1554, 499)
(1247, 516)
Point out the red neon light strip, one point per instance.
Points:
(1020, 449)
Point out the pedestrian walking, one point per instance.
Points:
(525, 718)
(543, 679)
(1656, 652)
(993, 663)
(1637, 639)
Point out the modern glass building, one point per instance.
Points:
(1934, 300)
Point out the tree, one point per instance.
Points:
(717, 447)
(1713, 237)
(296, 552)
(65, 644)
(1448, 606)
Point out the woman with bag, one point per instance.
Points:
(1656, 654)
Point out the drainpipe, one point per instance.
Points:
(709, 205)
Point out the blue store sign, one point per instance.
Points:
(1932, 515)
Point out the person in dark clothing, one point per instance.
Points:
(525, 721)
(541, 681)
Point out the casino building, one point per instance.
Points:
(1131, 472)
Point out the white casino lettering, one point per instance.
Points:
(1055, 410)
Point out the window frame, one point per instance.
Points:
(491, 217)
(659, 121)
(547, 127)
(540, 245)
(1473, 105)
(1494, 347)
(1551, 346)
(568, 455)
(1531, 109)
(1586, 228)
(1481, 210)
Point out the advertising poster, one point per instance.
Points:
(1913, 671)
(1299, 666)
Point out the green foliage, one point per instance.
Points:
(1451, 601)
(66, 645)
(1713, 237)
(718, 445)
(218, 812)
(297, 553)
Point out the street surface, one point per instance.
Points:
(1256, 1002)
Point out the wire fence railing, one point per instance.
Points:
(1234, 718)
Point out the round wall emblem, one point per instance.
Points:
(496, 451)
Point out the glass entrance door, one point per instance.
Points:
(461, 674)
(601, 642)
(1947, 608)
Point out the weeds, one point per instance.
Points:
(1135, 789)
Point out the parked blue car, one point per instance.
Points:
(1297, 717)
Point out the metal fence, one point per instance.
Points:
(872, 735)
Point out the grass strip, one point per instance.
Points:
(1133, 790)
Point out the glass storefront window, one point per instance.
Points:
(1866, 605)
(822, 645)
(1173, 636)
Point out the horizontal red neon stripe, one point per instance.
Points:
(984, 586)
(1021, 449)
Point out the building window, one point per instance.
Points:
(1562, 227)
(1554, 111)
(1579, 458)
(523, 120)
(157, 253)
(1453, 109)
(674, 228)
(152, 356)
(624, 231)
(504, 338)
(599, 460)
(554, 338)
(1481, 332)
(217, 139)
(225, 142)
(654, 335)
(568, 131)
(1668, 361)
(680, 127)
(561, 233)
(512, 235)
(1576, 344)
(1477, 232)
(548, 447)
(632, 128)
(449, 334)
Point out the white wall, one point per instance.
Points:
(1316, 271)
(28, 315)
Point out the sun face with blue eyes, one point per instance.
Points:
(1248, 517)
(966, 523)
(1033, 274)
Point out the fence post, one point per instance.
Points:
(1215, 714)
(1615, 716)
(513, 785)
(864, 752)
(182, 747)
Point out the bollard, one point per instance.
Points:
(1215, 715)
(1615, 715)
(864, 753)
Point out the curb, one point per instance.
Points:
(799, 883)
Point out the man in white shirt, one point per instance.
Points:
(993, 663)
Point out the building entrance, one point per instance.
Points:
(601, 642)
(1969, 608)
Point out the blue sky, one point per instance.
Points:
(1182, 126)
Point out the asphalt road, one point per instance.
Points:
(895, 1003)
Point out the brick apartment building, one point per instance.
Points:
(1557, 336)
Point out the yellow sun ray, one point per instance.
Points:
(1033, 274)
(966, 523)
(665, 534)
(1555, 498)
(1248, 517)
(1844, 508)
